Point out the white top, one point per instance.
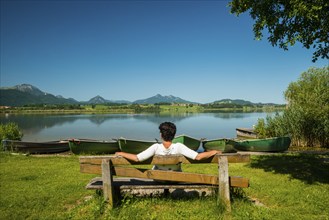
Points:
(159, 149)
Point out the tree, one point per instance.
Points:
(289, 21)
(308, 106)
(306, 118)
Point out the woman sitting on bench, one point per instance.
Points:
(167, 132)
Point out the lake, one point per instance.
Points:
(48, 127)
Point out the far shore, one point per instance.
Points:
(135, 109)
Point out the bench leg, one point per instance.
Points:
(166, 192)
(107, 181)
(223, 184)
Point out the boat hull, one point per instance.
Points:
(244, 133)
(220, 144)
(188, 141)
(94, 147)
(49, 147)
(277, 144)
(134, 146)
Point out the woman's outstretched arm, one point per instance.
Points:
(128, 156)
(207, 154)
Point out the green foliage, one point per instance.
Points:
(306, 118)
(290, 21)
(10, 131)
(308, 107)
(145, 108)
(271, 127)
(52, 106)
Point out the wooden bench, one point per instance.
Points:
(110, 166)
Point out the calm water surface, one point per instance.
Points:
(136, 126)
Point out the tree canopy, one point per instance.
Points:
(289, 21)
(311, 90)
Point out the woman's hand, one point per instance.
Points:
(119, 154)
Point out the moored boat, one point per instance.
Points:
(246, 133)
(88, 146)
(221, 144)
(275, 144)
(29, 147)
(188, 141)
(134, 146)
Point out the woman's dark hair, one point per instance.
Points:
(167, 130)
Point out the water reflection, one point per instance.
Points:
(229, 115)
(140, 126)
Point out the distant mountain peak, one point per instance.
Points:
(29, 89)
(26, 94)
(158, 98)
(97, 100)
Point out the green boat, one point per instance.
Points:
(87, 146)
(50, 147)
(134, 146)
(188, 141)
(276, 144)
(222, 144)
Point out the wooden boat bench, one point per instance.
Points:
(110, 166)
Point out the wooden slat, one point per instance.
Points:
(90, 168)
(178, 176)
(168, 159)
(95, 169)
(166, 175)
(238, 181)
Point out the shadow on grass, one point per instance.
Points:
(305, 167)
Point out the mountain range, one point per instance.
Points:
(26, 94)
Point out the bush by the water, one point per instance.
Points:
(10, 131)
(306, 118)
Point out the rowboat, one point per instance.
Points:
(221, 144)
(134, 146)
(188, 141)
(246, 133)
(49, 147)
(87, 146)
(275, 144)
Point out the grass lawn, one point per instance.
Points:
(282, 186)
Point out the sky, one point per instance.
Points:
(130, 50)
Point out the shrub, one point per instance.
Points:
(306, 118)
(10, 131)
(271, 127)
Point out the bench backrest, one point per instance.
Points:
(92, 164)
